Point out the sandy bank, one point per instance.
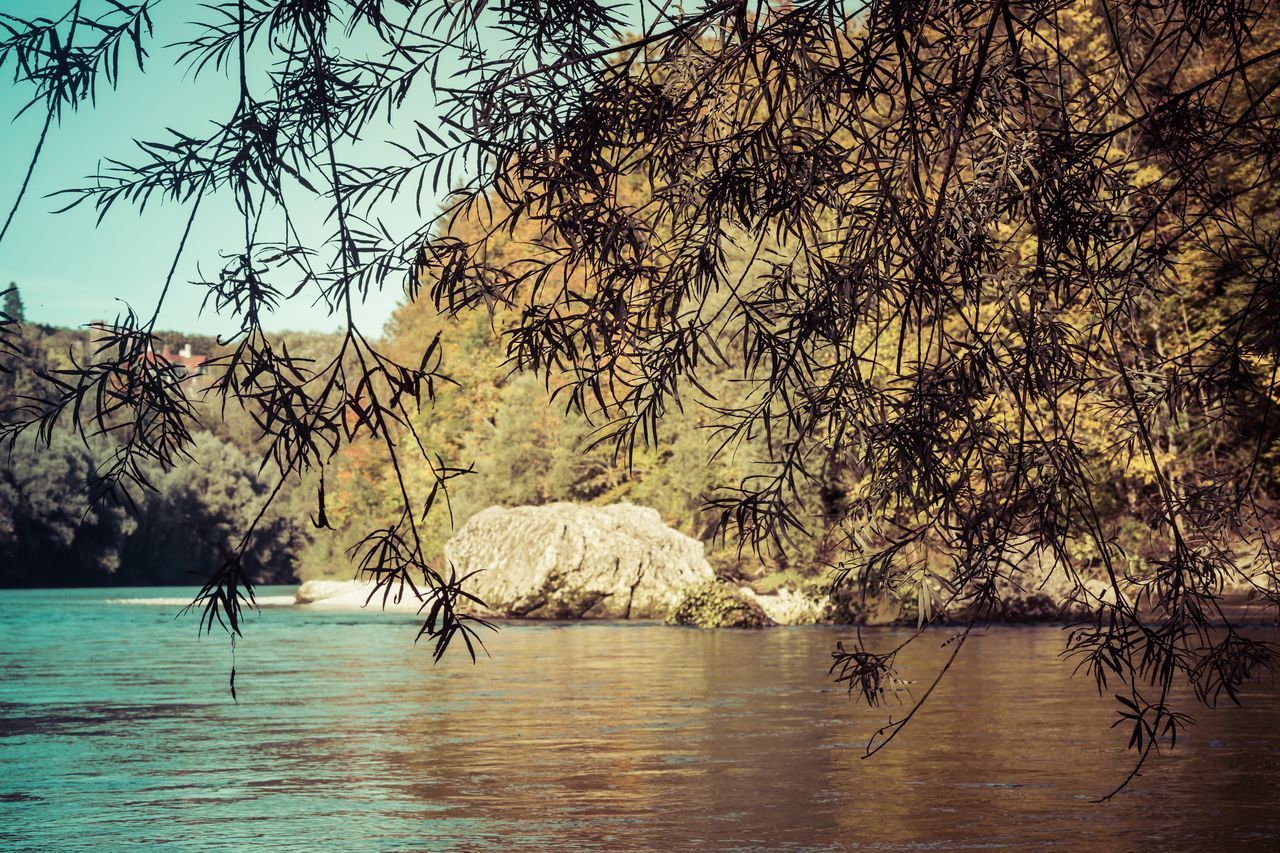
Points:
(351, 596)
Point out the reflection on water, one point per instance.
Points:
(116, 729)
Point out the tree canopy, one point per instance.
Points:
(13, 307)
(986, 259)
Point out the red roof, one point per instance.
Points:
(192, 362)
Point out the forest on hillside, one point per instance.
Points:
(510, 443)
(504, 436)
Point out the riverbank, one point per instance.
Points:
(782, 607)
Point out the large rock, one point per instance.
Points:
(571, 561)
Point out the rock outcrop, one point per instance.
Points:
(574, 561)
(786, 606)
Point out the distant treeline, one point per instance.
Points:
(520, 446)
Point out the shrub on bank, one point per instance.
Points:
(718, 604)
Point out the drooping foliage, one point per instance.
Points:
(986, 256)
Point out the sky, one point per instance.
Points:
(72, 270)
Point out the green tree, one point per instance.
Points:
(54, 531)
(193, 520)
(13, 304)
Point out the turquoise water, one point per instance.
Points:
(117, 730)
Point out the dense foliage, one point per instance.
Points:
(63, 524)
(980, 285)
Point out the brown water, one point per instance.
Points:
(115, 729)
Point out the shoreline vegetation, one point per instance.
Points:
(354, 596)
(525, 458)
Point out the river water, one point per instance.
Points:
(117, 730)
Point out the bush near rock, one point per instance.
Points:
(1040, 591)
(718, 604)
(1034, 596)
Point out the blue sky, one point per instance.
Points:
(70, 269)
